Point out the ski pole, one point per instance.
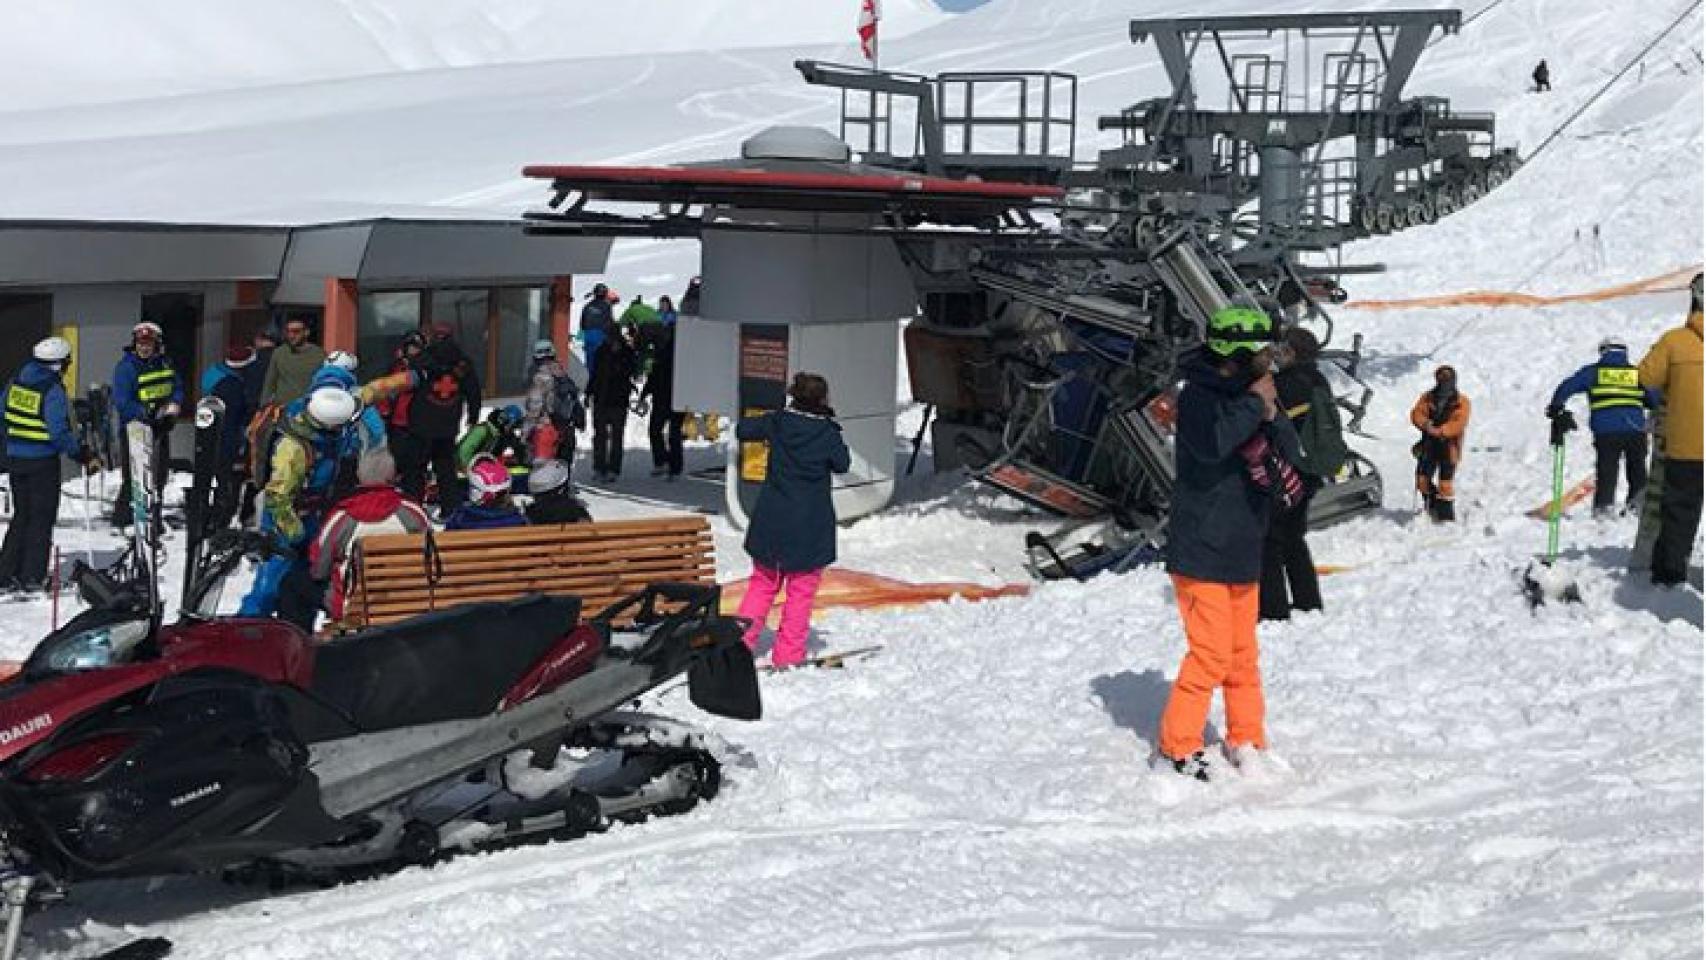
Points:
(88, 520)
(1557, 512)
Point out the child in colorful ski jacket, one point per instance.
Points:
(489, 506)
(1214, 536)
(791, 534)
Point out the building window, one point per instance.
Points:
(495, 326)
(468, 315)
(521, 317)
(382, 322)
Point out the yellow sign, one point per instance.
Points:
(1619, 377)
(755, 456)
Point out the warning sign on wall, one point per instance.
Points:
(763, 387)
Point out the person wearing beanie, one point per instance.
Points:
(1442, 415)
(228, 381)
(1672, 367)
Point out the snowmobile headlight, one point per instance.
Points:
(97, 647)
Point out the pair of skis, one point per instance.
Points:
(147, 500)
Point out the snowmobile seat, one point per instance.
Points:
(453, 664)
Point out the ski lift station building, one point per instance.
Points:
(363, 283)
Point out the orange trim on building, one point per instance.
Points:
(338, 323)
(562, 309)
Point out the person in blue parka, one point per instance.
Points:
(146, 388)
(227, 380)
(38, 433)
(1617, 415)
(791, 534)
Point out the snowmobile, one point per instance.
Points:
(131, 748)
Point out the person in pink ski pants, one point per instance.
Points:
(791, 534)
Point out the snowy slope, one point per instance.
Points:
(55, 54)
(1468, 780)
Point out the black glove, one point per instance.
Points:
(1553, 411)
(1562, 423)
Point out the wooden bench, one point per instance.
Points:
(401, 575)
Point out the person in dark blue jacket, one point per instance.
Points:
(146, 387)
(1617, 415)
(38, 433)
(791, 534)
(227, 380)
(1228, 419)
(488, 506)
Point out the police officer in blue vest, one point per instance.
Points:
(1617, 405)
(145, 387)
(38, 432)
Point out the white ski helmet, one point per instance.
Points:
(331, 407)
(547, 476)
(53, 350)
(148, 330)
(544, 350)
(488, 479)
(343, 360)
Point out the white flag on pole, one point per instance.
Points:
(870, 11)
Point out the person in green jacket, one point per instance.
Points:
(494, 436)
(292, 366)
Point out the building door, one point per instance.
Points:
(24, 319)
(179, 316)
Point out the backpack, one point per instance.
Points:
(566, 401)
(1321, 435)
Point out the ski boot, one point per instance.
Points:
(1196, 766)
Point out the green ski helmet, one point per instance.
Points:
(1235, 330)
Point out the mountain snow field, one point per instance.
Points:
(1456, 776)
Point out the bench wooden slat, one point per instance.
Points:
(544, 581)
(598, 562)
(536, 560)
(556, 533)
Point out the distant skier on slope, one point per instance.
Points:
(1442, 414)
(1617, 405)
(1542, 78)
(1231, 438)
(1673, 367)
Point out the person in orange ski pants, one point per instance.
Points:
(1232, 450)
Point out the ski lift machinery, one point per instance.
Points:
(1052, 298)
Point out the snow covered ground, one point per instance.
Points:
(1467, 779)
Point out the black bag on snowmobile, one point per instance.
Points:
(722, 679)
